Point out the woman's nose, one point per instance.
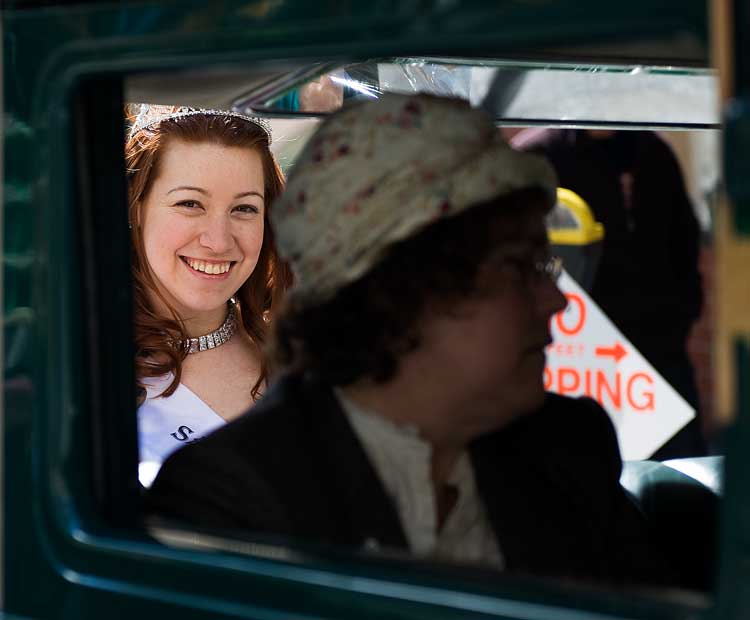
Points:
(217, 235)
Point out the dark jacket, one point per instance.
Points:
(293, 466)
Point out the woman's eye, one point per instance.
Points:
(246, 209)
(189, 204)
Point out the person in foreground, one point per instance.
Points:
(205, 268)
(411, 413)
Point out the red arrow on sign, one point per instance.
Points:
(617, 351)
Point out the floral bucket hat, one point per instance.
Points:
(378, 172)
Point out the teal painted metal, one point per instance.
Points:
(741, 13)
(62, 560)
(736, 165)
(734, 591)
(734, 597)
(738, 122)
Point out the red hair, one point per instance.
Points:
(258, 297)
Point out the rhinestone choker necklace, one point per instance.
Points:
(217, 337)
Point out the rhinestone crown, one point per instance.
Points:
(150, 115)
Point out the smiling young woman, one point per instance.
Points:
(206, 274)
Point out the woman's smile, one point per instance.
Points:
(208, 267)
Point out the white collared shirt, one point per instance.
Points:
(403, 460)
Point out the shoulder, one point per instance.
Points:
(651, 146)
(155, 386)
(231, 477)
(166, 423)
(209, 487)
(573, 430)
(570, 416)
(653, 140)
(277, 414)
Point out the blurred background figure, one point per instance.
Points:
(648, 281)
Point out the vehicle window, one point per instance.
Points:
(641, 95)
(649, 390)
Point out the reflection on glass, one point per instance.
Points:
(655, 96)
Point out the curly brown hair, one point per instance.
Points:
(258, 298)
(365, 328)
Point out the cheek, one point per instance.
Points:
(163, 238)
(488, 344)
(501, 348)
(507, 321)
(251, 240)
(503, 339)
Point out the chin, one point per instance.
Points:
(516, 404)
(196, 309)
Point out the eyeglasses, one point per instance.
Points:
(530, 268)
(552, 268)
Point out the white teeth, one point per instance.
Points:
(209, 268)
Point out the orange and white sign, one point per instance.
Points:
(591, 357)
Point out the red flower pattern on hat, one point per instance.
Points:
(377, 172)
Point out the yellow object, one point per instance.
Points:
(571, 222)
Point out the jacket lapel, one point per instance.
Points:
(529, 504)
(367, 515)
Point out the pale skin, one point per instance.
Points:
(480, 362)
(203, 229)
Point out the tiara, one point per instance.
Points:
(150, 115)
